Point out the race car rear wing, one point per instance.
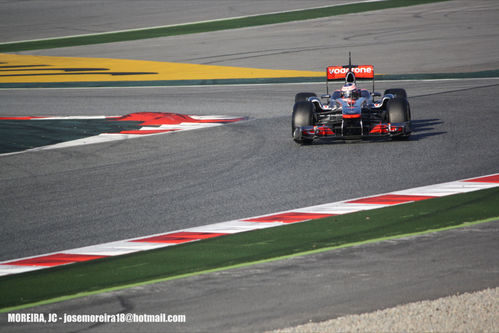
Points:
(349, 72)
(340, 72)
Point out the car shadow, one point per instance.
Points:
(424, 128)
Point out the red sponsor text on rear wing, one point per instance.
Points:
(340, 72)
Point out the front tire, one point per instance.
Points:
(303, 115)
(399, 111)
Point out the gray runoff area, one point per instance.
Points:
(99, 193)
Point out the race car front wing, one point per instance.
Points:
(386, 130)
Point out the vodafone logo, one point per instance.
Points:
(356, 70)
(339, 72)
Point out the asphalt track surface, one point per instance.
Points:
(66, 198)
(86, 195)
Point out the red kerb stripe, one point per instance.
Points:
(391, 199)
(19, 118)
(290, 217)
(179, 237)
(54, 260)
(488, 179)
(142, 132)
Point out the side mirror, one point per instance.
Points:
(376, 94)
(326, 96)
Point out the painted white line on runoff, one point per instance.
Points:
(172, 238)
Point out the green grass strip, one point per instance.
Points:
(66, 282)
(215, 25)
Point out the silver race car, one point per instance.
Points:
(351, 113)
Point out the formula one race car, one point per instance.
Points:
(351, 113)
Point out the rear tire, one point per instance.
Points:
(397, 92)
(300, 97)
(303, 115)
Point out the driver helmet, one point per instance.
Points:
(349, 90)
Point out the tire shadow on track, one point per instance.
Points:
(424, 128)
